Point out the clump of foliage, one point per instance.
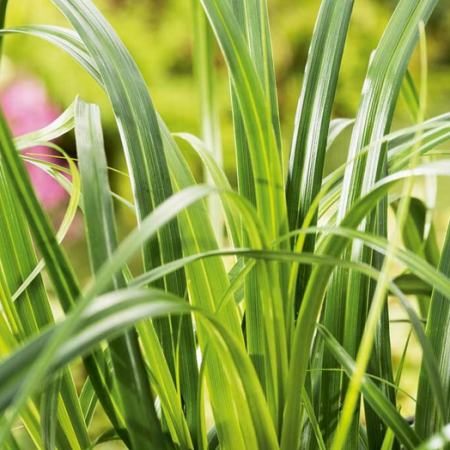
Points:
(285, 344)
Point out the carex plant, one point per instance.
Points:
(290, 347)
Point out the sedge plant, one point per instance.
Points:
(265, 304)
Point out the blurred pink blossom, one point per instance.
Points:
(27, 108)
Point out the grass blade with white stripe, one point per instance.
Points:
(313, 117)
(128, 364)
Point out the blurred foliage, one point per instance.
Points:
(159, 36)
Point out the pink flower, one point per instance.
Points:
(27, 108)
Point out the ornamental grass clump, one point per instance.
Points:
(290, 347)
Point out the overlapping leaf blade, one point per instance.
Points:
(134, 388)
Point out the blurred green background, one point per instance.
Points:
(158, 34)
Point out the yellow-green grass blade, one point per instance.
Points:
(219, 179)
(165, 388)
(204, 53)
(257, 30)
(68, 218)
(260, 147)
(255, 115)
(247, 187)
(128, 364)
(380, 364)
(211, 282)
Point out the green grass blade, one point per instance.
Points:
(49, 411)
(380, 292)
(380, 363)
(428, 421)
(88, 401)
(129, 367)
(310, 140)
(68, 218)
(62, 125)
(314, 422)
(313, 117)
(255, 112)
(410, 96)
(415, 237)
(219, 179)
(257, 29)
(61, 37)
(255, 115)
